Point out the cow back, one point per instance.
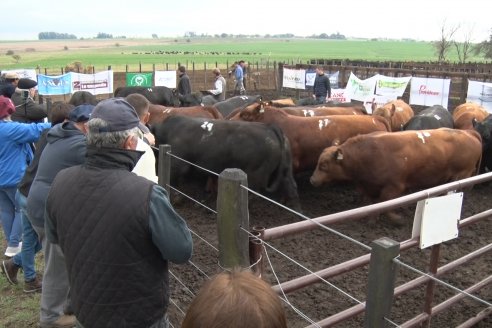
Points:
(433, 117)
(397, 112)
(158, 95)
(160, 113)
(465, 114)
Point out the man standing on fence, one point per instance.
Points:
(117, 230)
(321, 87)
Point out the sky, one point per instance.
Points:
(393, 19)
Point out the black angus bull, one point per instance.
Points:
(228, 106)
(484, 128)
(261, 151)
(156, 95)
(433, 117)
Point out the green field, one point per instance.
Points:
(53, 55)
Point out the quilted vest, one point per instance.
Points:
(118, 278)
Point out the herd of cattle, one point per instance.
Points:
(384, 154)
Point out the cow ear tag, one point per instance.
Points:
(339, 155)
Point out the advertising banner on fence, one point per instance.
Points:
(377, 101)
(54, 85)
(391, 86)
(23, 73)
(358, 89)
(429, 91)
(99, 83)
(165, 79)
(294, 78)
(480, 93)
(311, 75)
(339, 95)
(139, 79)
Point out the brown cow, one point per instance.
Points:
(385, 165)
(322, 111)
(397, 112)
(159, 113)
(465, 114)
(308, 136)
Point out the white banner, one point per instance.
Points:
(165, 79)
(23, 73)
(358, 89)
(378, 101)
(294, 78)
(391, 86)
(99, 83)
(429, 91)
(480, 93)
(339, 95)
(310, 76)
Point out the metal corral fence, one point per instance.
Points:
(240, 245)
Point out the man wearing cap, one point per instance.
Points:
(117, 230)
(27, 110)
(66, 147)
(219, 90)
(15, 156)
(8, 84)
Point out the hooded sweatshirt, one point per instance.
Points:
(66, 147)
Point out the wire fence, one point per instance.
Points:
(269, 247)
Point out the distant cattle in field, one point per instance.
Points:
(308, 136)
(385, 165)
(83, 97)
(465, 114)
(260, 150)
(433, 117)
(397, 112)
(159, 113)
(159, 95)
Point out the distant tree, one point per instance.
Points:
(224, 35)
(465, 48)
(190, 34)
(65, 48)
(154, 36)
(484, 48)
(17, 58)
(55, 35)
(101, 35)
(443, 45)
(323, 36)
(9, 52)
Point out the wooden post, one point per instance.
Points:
(232, 215)
(49, 109)
(164, 168)
(381, 282)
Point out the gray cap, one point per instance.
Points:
(118, 114)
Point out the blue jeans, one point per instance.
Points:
(30, 241)
(320, 99)
(10, 216)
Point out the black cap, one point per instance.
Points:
(25, 83)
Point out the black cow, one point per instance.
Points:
(227, 106)
(83, 97)
(484, 128)
(209, 100)
(433, 117)
(157, 95)
(190, 100)
(260, 150)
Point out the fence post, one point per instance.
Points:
(381, 281)
(49, 109)
(232, 214)
(164, 168)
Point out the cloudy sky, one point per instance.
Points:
(417, 19)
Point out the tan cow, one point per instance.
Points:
(465, 114)
(308, 136)
(385, 165)
(322, 111)
(397, 112)
(159, 113)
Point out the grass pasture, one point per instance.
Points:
(55, 54)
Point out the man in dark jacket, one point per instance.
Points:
(321, 87)
(27, 110)
(117, 230)
(184, 85)
(66, 147)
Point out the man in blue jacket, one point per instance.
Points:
(117, 230)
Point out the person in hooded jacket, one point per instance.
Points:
(66, 147)
(27, 110)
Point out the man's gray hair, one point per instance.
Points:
(107, 139)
